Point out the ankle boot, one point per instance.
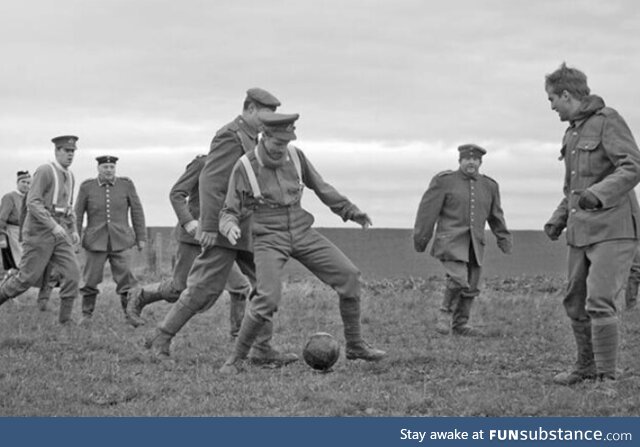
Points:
(445, 313)
(139, 297)
(356, 347)
(461, 316)
(66, 308)
(237, 304)
(585, 367)
(604, 334)
(88, 305)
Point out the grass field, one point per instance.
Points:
(48, 370)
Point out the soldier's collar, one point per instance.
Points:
(102, 182)
(246, 128)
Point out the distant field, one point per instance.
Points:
(389, 253)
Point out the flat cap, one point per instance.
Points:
(279, 125)
(106, 159)
(471, 150)
(263, 97)
(23, 174)
(65, 141)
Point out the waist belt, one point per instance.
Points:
(61, 211)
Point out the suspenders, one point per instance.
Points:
(253, 181)
(56, 190)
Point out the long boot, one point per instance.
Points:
(356, 347)
(461, 315)
(631, 295)
(237, 304)
(445, 313)
(585, 367)
(262, 353)
(249, 330)
(88, 306)
(604, 335)
(160, 340)
(140, 297)
(66, 308)
(44, 294)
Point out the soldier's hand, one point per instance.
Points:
(234, 234)
(75, 238)
(141, 245)
(61, 233)
(552, 231)
(589, 201)
(207, 238)
(191, 227)
(362, 218)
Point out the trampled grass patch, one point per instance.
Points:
(48, 370)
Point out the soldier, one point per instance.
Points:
(210, 270)
(49, 231)
(13, 210)
(600, 212)
(460, 203)
(108, 200)
(268, 183)
(185, 200)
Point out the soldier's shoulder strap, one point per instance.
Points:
(443, 173)
(251, 175)
(295, 158)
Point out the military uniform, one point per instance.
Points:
(602, 159)
(108, 235)
(459, 205)
(185, 200)
(281, 229)
(10, 215)
(209, 272)
(49, 206)
(631, 294)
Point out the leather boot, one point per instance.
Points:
(631, 295)
(88, 306)
(249, 330)
(461, 315)
(585, 367)
(445, 313)
(160, 340)
(604, 336)
(356, 347)
(237, 304)
(140, 297)
(124, 300)
(66, 308)
(262, 353)
(7, 276)
(3, 298)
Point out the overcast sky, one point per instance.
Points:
(386, 89)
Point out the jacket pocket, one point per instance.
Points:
(586, 147)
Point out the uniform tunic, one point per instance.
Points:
(459, 206)
(208, 275)
(108, 234)
(185, 200)
(282, 229)
(40, 246)
(10, 218)
(601, 156)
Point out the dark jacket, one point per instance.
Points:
(185, 199)
(459, 206)
(107, 207)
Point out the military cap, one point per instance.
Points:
(65, 141)
(279, 125)
(23, 174)
(471, 150)
(263, 97)
(106, 159)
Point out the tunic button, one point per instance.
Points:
(573, 172)
(573, 152)
(573, 210)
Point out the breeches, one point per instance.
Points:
(38, 252)
(209, 274)
(597, 274)
(120, 270)
(313, 251)
(464, 276)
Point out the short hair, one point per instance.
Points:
(570, 79)
(258, 105)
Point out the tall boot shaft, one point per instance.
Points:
(350, 313)
(604, 333)
(88, 304)
(631, 295)
(66, 308)
(176, 318)
(237, 304)
(250, 329)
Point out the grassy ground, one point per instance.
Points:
(49, 370)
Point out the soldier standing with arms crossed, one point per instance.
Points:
(49, 230)
(210, 270)
(107, 200)
(600, 213)
(460, 202)
(185, 200)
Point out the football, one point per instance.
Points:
(321, 351)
